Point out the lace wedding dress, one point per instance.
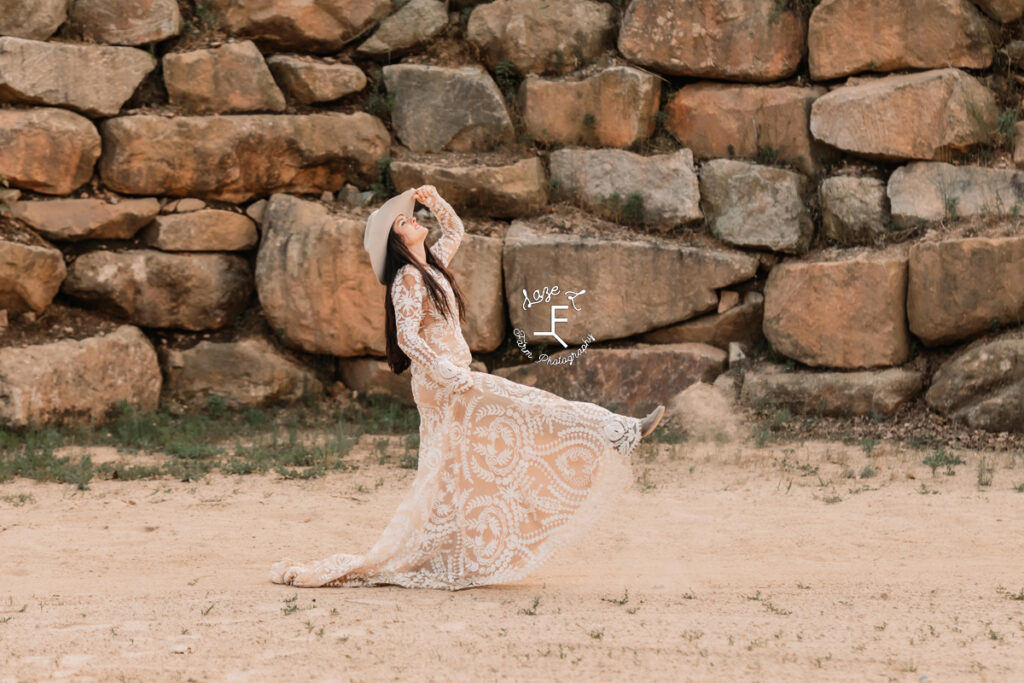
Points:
(507, 473)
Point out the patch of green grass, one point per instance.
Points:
(941, 458)
(236, 442)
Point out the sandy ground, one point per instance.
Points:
(723, 562)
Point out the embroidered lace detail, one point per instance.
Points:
(508, 474)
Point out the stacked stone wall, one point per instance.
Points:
(831, 185)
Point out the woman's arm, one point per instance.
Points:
(452, 229)
(407, 295)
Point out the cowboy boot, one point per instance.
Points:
(648, 424)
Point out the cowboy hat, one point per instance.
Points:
(378, 226)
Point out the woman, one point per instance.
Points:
(507, 473)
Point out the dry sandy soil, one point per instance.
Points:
(722, 562)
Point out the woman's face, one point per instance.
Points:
(409, 229)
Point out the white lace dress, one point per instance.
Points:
(507, 473)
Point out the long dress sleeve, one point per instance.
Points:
(452, 228)
(407, 295)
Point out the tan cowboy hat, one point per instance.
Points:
(378, 226)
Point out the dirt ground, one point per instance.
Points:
(722, 562)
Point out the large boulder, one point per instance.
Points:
(1002, 10)
(907, 116)
(312, 80)
(612, 288)
(613, 107)
(31, 270)
(742, 40)
(229, 79)
(607, 181)
(848, 36)
(319, 292)
(236, 158)
(322, 27)
(961, 288)
(749, 121)
(741, 323)
(846, 313)
(480, 121)
(70, 220)
(538, 36)
(46, 150)
(244, 373)
(935, 191)
(751, 205)
(33, 19)
(78, 380)
(621, 379)
(126, 22)
(854, 210)
(837, 394)
(92, 79)
(203, 230)
(983, 386)
(506, 189)
(154, 289)
(415, 23)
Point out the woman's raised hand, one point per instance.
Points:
(424, 193)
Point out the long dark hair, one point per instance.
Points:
(397, 256)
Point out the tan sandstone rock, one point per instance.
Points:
(244, 373)
(69, 220)
(204, 230)
(480, 122)
(983, 386)
(606, 181)
(92, 79)
(127, 22)
(848, 313)
(154, 289)
(848, 36)
(505, 190)
(838, 394)
(310, 80)
(615, 107)
(740, 323)
(322, 27)
(726, 120)
(620, 379)
(414, 24)
(935, 191)
(78, 380)
(236, 158)
(31, 271)
(738, 40)
(854, 210)
(908, 116)
(961, 288)
(47, 150)
(1002, 10)
(631, 286)
(751, 205)
(32, 19)
(539, 36)
(232, 78)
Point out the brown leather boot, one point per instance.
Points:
(648, 424)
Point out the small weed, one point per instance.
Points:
(531, 611)
(985, 472)
(942, 458)
(597, 633)
(867, 472)
(289, 605)
(618, 601)
(208, 609)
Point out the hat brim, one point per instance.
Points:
(378, 226)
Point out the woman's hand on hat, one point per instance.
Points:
(424, 193)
